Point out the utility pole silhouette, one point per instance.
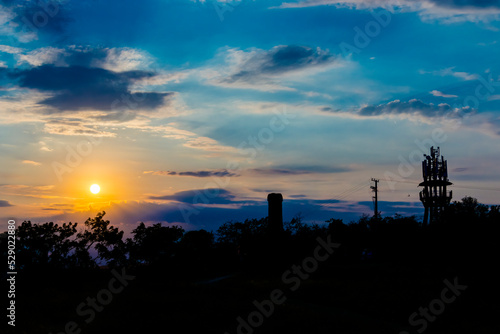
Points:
(375, 198)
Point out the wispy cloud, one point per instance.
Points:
(447, 11)
(71, 127)
(450, 72)
(10, 49)
(265, 69)
(412, 108)
(441, 94)
(299, 170)
(219, 173)
(30, 162)
(190, 139)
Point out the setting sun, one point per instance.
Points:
(94, 189)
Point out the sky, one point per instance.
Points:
(190, 112)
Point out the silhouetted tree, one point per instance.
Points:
(197, 242)
(466, 211)
(45, 245)
(153, 242)
(242, 233)
(105, 239)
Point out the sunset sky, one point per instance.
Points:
(191, 112)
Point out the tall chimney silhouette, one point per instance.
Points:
(275, 214)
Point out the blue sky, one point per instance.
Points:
(190, 112)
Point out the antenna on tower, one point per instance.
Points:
(434, 196)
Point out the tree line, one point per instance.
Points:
(247, 243)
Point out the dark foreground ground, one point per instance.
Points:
(366, 297)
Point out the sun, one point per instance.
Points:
(94, 189)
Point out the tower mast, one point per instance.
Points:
(434, 196)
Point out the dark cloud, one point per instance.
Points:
(467, 3)
(274, 171)
(219, 173)
(328, 109)
(200, 196)
(207, 173)
(45, 16)
(287, 58)
(411, 107)
(279, 60)
(4, 204)
(299, 170)
(264, 190)
(78, 87)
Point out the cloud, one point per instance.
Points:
(27, 20)
(112, 80)
(125, 59)
(44, 147)
(412, 108)
(44, 188)
(21, 105)
(277, 171)
(4, 204)
(111, 59)
(199, 196)
(53, 17)
(206, 144)
(95, 89)
(297, 196)
(450, 72)
(43, 56)
(9, 25)
(72, 127)
(261, 69)
(22, 190)
(218, 173)
(191, 139)
(10, 49)
(444, 10)
(29, 162)
(298, 170)
(441, 94)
